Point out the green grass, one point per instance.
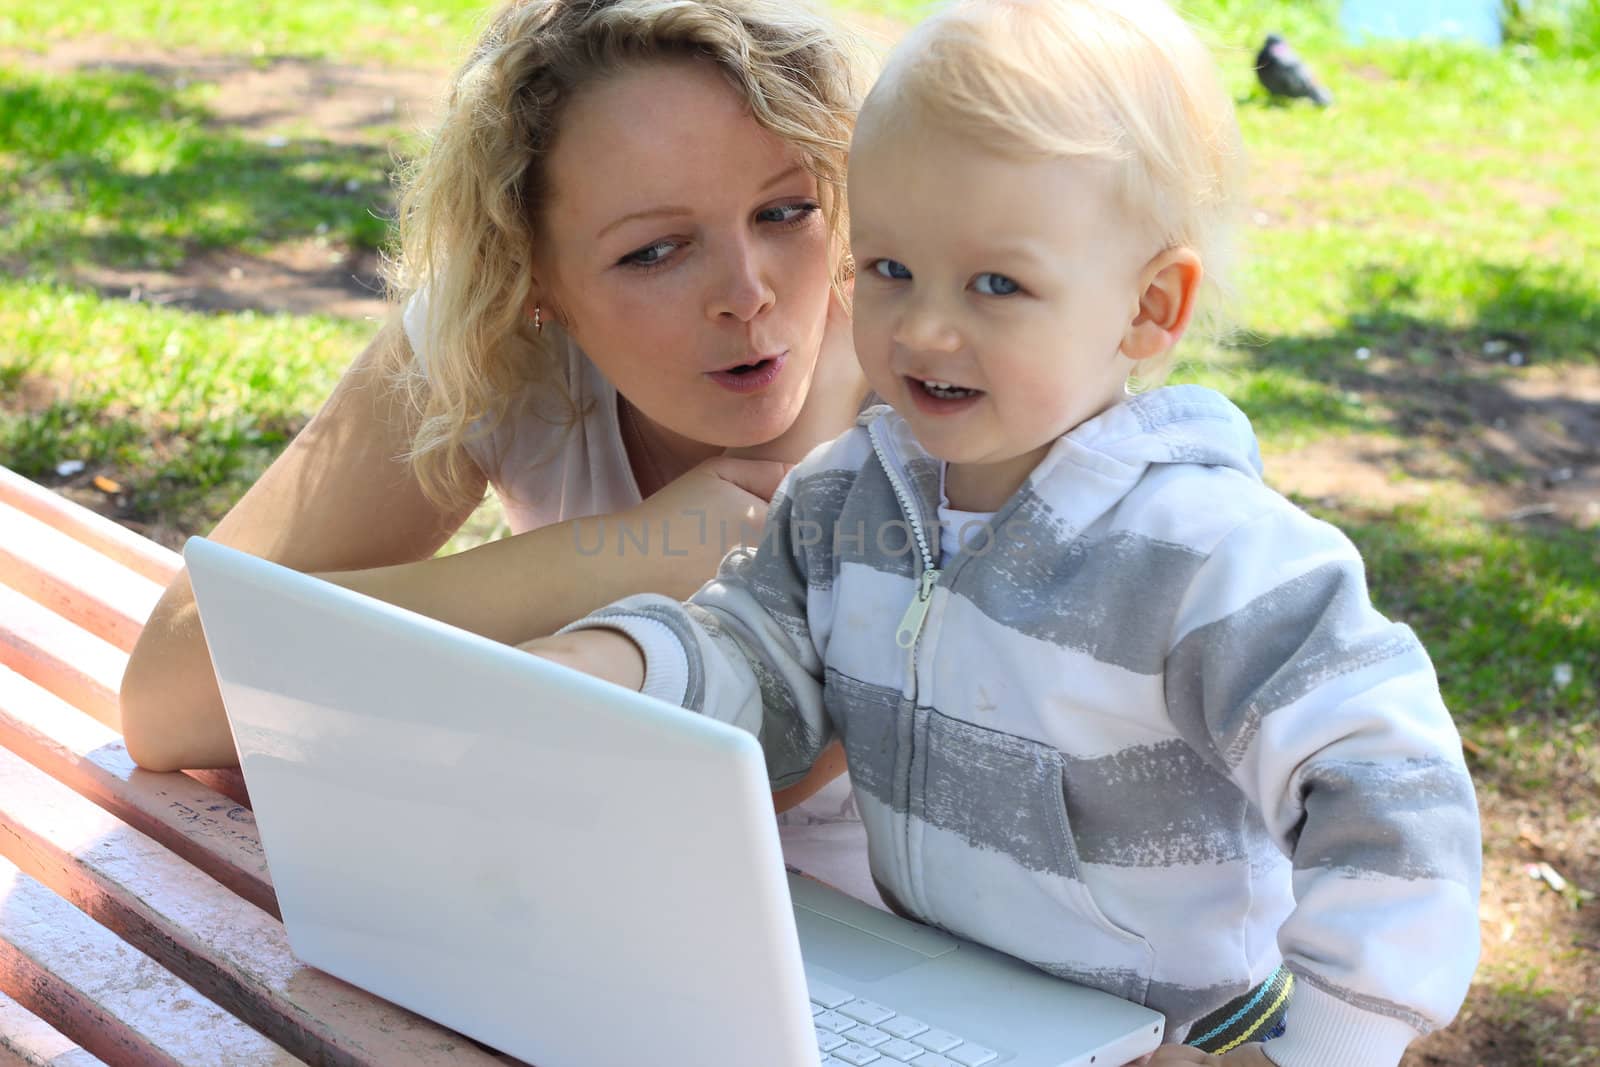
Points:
(1500, 609)
(425, 33)
(124, 170)
(1556, 28)
(186, 408)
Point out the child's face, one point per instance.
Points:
(1013, 281)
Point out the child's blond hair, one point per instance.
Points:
(472, 207)
(1123, 81)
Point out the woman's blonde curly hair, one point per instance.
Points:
(470, 205)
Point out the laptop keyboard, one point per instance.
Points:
(852, 1031)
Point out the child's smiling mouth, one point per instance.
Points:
(936, 397)
(947, 391)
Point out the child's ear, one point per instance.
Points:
(1169, 284)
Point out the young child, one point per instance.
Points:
(1109, 703)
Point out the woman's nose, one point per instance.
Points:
(745, 290)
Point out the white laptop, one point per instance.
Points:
(573, 873)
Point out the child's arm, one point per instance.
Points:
(607, 654)
(743, 649)
(1329, 717)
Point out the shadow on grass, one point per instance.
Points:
(118, 169)
(1463, 386)
(1548, 312)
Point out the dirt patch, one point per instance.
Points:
(309, 277)
(265, 96)
(1525, 446)
(265, 99)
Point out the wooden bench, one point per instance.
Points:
(138, 924)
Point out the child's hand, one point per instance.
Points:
(1250, 1055)
(607, 654)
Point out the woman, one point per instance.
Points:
(621, 267)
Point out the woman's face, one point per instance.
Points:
(686, 253)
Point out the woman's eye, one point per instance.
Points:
(787, 213)
(991, 284)
(889, 268)
(649, 255)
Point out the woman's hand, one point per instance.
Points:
(1251, 1055)
(837, 390)
(607, 654)
(691, 523)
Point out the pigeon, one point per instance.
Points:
(1284, 74)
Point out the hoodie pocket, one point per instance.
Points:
(996, 860)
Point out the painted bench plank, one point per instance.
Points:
(73, 580)
(115, 1002)
(206, 828)
(225, 947)
(30, 1041)
(81, 669)
(139, 554)
(229, 781)
(48, 650)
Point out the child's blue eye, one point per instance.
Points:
(991, 284)
(888, 268)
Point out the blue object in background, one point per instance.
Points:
(1470, 20)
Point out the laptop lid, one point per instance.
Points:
(520, 851)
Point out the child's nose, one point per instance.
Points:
(924, 327)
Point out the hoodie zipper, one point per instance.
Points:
(917, 611)
(907, 637)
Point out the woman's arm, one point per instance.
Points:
(532, 584)
(338, 497)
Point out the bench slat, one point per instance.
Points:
(206, 828)
(70, 662)
(81, 669)
(113, 1001)
(31, 1042)
(229, 781)
(73, 580)
(225, 947)
(139, 554)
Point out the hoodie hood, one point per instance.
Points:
(1173, 424)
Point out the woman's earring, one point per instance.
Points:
(538, 320)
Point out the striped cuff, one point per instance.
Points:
(666, 665)
(1251, 1016)
(1324, 1031)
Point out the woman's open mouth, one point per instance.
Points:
(750, 377)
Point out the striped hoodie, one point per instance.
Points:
(1146, 731)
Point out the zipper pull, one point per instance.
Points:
(916, 611)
